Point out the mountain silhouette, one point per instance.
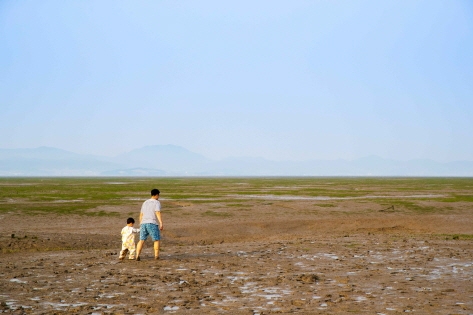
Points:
(172, 160)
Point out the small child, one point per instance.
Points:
(128, 239)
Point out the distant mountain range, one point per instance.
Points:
(171, 160)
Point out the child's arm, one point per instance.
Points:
(136, 230)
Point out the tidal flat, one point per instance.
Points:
(308, 245)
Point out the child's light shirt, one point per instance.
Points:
(127, 234)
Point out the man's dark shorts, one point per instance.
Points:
(147, 229)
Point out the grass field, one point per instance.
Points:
(85, 195)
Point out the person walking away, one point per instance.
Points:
(128, 239)
(150, 216)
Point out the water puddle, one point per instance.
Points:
(277, 197)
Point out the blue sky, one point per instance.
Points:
(282, 80)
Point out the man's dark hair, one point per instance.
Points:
(130, 220)
(154, 192)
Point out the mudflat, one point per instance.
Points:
(239, 246)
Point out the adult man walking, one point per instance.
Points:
(149, 217)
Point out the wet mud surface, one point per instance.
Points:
(253, 263)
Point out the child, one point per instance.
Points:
(128, 239)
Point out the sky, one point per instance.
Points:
(281, 80)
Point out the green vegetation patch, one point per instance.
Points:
(458, 198)
(83, 195)
(211, 213)
(239, 205)
(457, 236)
(413, 206)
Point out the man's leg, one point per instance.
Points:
(138, 249)
(143, 237)
(156, 249)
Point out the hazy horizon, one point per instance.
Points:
(225, 157)
(299, 80)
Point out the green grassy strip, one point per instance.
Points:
(83, 195)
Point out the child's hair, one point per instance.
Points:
(130, 220)
(154, 192)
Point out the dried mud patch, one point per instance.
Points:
(263, 261)
(375, 274)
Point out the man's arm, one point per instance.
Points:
(158, 215)
(141, 217)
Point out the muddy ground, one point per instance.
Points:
(280, 257)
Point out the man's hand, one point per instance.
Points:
(158, 216)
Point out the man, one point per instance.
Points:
(149, 217)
